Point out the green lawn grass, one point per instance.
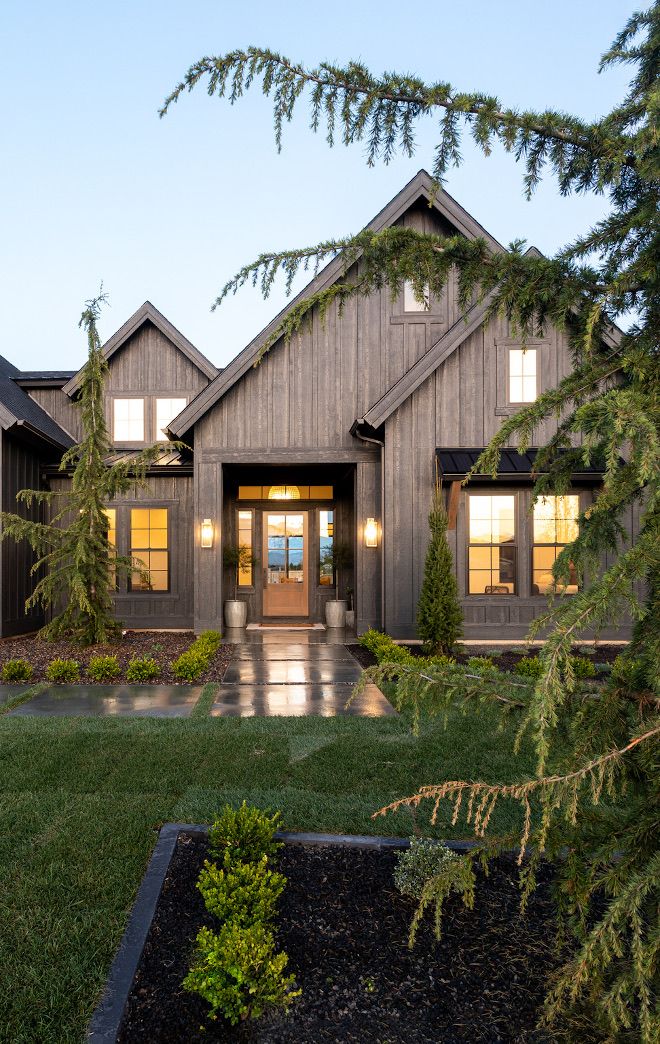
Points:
(81, 801)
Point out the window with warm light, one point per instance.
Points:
(111, 516)
(166, 411)
(285, 492)
(128, 420)
(326, 539)
(522, 375)
(149, 549)
(245, 578)
(555, 526)
(492, 544)
(412, 303)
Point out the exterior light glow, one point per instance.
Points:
(284, 493)
(207, 533)
(371, 533)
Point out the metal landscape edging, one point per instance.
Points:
(106, 1021)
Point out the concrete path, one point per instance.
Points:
(281, 672)
(110, 701)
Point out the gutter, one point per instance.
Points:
(357, 433)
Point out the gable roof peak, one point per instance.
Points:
(147, 312)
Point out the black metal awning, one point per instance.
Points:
(513, 466)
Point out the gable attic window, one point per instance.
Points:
(411, 302)
(128, 420)
(166, 411)
(522, 375)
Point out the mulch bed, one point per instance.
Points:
(505, 661)
(164, 647)
(345, 929)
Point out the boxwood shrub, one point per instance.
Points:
(192, 663)
(103, 668)
(142, 669)
(16, 671)
(61, 671)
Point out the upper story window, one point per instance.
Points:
(492, 544)
(166, 411)
(411, 302)
(555, 525)
(128, 420)
(522, 375)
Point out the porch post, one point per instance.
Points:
(207, 576)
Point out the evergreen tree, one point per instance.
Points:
(439, 617)
(76, 565)
(597, 786)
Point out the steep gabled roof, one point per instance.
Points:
(421, 186)
(149, 313)
(18, 410)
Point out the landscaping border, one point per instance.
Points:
(106, 1020)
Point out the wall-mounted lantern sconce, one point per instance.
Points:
(207, 533)
(371, 533)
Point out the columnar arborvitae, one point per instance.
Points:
(439, 617)
(76, 565)
(598, 785)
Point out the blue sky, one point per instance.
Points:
(95, 187)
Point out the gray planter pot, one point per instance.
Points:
(335, 613)
(235, 613)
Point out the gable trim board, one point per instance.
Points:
(148, 312)
(421, 186)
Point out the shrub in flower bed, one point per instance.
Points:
(192, 663)
(17, 670)
(142, 669)
(103, 668)
(532, 667)
(415, 866)
(386, 650)
(237, 969)
(61, 671)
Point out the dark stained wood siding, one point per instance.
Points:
(60, 407)
(20, 470)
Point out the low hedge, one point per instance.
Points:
(386, 650)
(192, 663)
(17, 670)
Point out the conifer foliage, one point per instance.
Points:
(76, 566)
(594, 803)
(439, 617)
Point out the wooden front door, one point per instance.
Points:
(285, 558)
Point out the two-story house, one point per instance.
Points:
(335, 437)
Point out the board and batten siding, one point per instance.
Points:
(21, 469)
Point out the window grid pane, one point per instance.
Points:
(326, 539)
(128, 420)
(555, 525)
(166, 411)
(522, 375)
(149, 551)
(411, 303)
(492, 551)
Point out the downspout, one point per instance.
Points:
(381, 444)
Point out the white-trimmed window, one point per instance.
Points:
(149, 549)
(245, 577)
(411, 302)
(555, 525)
(128, 420)
(522, 375)
(166, 411)
(492, 544)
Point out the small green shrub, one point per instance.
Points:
(190, 665)
(238, 972)
(61, 671)
(481, 665)
(243, 893)
(246, 834)
(385, 648)
(142, 669)
(415, 866)
(16, 671)
(103, 668)
(208, 639)
(583, 668)
(529, 667)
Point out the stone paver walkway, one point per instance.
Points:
(294, 673)
(111, 701)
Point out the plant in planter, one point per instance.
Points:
(350, 611)
(339, 556)
(237, 557)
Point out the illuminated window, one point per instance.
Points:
(128, 420)
(326, 538)
(522, 375)
(111, 515)
(245, 541)
(411, 302)
(555, 525)
(285, 492)
(492, 544)
(166, 411)
(149, 549)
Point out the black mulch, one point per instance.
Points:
(163, 646)
(345, 929)
(505, 659)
